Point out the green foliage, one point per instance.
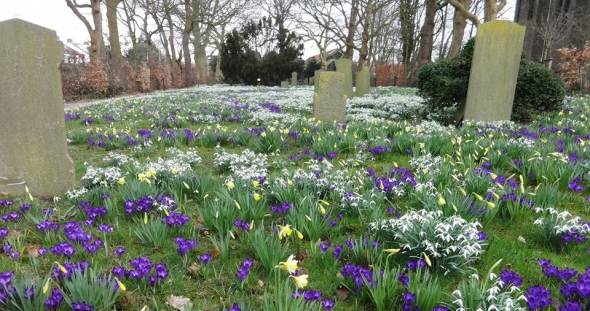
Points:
(444, 84)
(310, 68)
(241, 62)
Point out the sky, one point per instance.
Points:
(52, 14)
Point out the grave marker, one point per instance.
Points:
(293, 79)
(33, 147)
(363, 82)
(344, 66)
(329, 103)
(494, 71)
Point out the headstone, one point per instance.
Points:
(33, 147)
(210, 81)
(494, 71)
(363, 82)
(285, 83)
(316, 79)
(344, 66)
(329, 103)
(306, 81)
(293, 79)
(311, 82)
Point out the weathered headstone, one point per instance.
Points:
(306, 81)
(329, 103)
(210, 81)
(293, 79)
(363, 82)
(494, 70)
(285, 83)
(344, 66)
(316, 79)
(33, 147)
(311, 82)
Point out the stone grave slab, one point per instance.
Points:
(329, 103)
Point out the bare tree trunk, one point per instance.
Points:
(116, 55)
(186, 32)
(459, 23)
(351, 28)
(364, 52)
(426, 39)
(129, 22)
(97, 50)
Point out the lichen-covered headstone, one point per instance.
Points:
(344, 66)
(311, 82)
(285, 83)
(329, 103)
(363, 82)
(293, 79)
(33, 147)
(306, 81)
(210, 81)
(316, 79)
(494, 70)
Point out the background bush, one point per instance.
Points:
(444, 86)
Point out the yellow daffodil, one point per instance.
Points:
(46, 286)
(145, 218)
(121, 181)
(421, 145)
(284, 231)
(391, 251)
(237, 204)
(299, 235)
(324, 202)
(478, 197)
(251, 225)
(454, 207)
(462, 191)
(257, 196)
(143, 177)
(491, 204)
(289, 182)
(427, 259)
(61, 268)
(322, 209)
(185, 185)
(290, 265)
(255, 183)
(230, 185)
(300, 281)
(441, 201)
(121, 285)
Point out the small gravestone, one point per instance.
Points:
(316, 79)
(329, 103)
(210, 81)
(306, 81)
(285, 83)
(311, 81)
(363, 82)
(33, 147)
(293, 79)
(344, 66)
(494, 71)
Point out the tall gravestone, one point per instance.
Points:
(494, 71)
(33, 147)
(316, 79)
(344, 66)
(363, 82)
(293, 79)
(329, 103)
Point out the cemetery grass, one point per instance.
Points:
(355, 175)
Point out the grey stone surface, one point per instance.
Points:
(210, 81)
(363, 82)
(329, 103)
(293, 79)
(344, 66)
(306, 81)
(316, 79)
(311, 82)
(285, 83)
(494, 70)
(33, 147)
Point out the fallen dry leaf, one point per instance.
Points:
(260, 283)
(342, 292)
(195, 268)
(33, 250)
(179, 302)
(521, 240)
(5, 193)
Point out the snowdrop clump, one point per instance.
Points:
(246, 166)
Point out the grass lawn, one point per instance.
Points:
(235, 198)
